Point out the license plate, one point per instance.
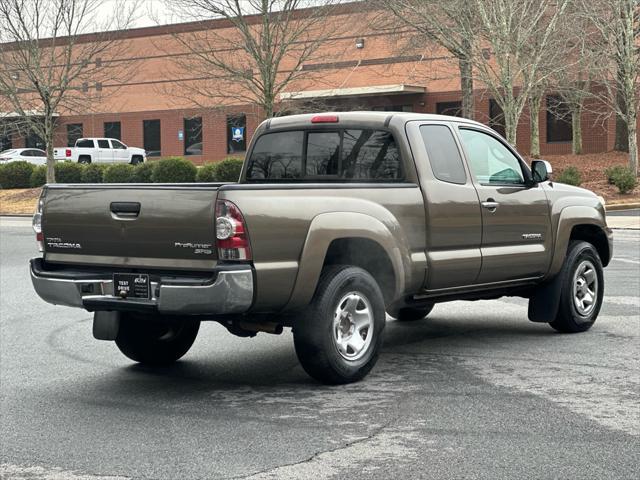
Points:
(131, 285)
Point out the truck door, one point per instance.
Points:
(120, 152)
(452, 210)
(516, 224)
(105, 153)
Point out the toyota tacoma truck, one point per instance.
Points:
(100, 150)
(336, 221)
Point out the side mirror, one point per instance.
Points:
(541, 171)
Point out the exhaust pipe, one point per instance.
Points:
(268, 327)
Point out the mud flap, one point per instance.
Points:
(544, 303)
(106, 325)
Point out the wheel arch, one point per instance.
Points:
(352, 239)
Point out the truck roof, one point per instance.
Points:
(370, 118)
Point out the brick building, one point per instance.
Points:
(360, 67)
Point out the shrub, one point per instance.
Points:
(207, 173)
(119, 173)
(570, 176)
(228, 170)
(612, 172)
(625, 180)
(16, 175)
(174, 170)
(143, 172)
(38, 176)
(93, 173)
(68, 172)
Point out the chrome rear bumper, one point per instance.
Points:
(230, 291)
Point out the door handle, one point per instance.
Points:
(490, 205)
(125, 210)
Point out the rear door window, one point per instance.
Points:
(84, 144)
(103, 144)
(343, 155)
(444, 156)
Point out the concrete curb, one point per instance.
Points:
(622, 206)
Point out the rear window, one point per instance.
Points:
(318, 155)
(84, 144)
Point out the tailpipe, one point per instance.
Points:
(268, 327)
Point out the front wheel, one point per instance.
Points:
(338, 338)
(582, 287)
(155, 342)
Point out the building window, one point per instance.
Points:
(559, 128)
(113, 130)
(236, 133)
(193, 136)
(393, 108)
(453, 109)
(74, 133)
(496, 117)
(151, 140)
(5, 143)
(34, 141)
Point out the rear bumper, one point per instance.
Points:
(230, 290)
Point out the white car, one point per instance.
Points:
(31, 155)
(100, 150)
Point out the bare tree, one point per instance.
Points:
(521, 37)
(614, 26)
(49, 67)
(263, 52)
(447, 23)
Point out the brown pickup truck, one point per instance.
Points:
(336, 221)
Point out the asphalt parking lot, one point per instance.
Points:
(474, 391)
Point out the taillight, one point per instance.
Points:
(232, 238)
(324, 119)
(67, 152)
(37, 224)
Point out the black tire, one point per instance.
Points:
(135, 160)
(571, 317)
(85, 159)
(315, 335)
(153, 342)
(413, 314)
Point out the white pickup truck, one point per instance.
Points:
(100, 150)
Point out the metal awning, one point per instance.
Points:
(396, 89)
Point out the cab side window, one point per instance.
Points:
(444, 157)
(491, 163)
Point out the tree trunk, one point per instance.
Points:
(632, 133)
(510, 124)
(466, 85)
(48, 139)
(576, 126)
(621, 138)
(534, 116)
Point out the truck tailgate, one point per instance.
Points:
(154, 226)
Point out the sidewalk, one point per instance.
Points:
(626, 222)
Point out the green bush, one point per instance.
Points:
(174, 170)
(625, 179)
(612, 172)
(93, 173)
(68, 172)
(207, 173)
(570, 176)
(143, 172)
(119, 173)
(228, 170)
(16, 175)
(38, 176)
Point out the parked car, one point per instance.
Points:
(31, 155)
(336, 219)
(100, 150)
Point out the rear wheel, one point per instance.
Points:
(338, 338)
(84, 159)
(412, 314)
(582, 289)
(154, 342)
